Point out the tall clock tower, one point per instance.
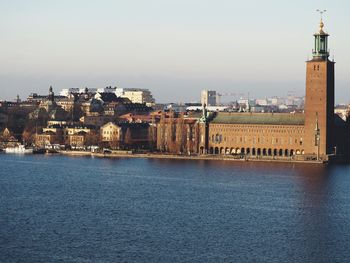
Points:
(319, 99)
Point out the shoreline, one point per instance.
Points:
(183, 157)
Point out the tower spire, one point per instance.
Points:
(321, 12)
(320, 51)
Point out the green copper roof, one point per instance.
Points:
(260, 118)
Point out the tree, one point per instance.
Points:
(128, 138)
(161, 131)
(28, 137)
(171, 134)
(91, 138)
(152, 134)
(180, 142)
(114, 143)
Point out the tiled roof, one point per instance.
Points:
(260, 118)
(108, 97)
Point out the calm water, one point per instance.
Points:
(62, 209)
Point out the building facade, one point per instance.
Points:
(208, 97)
(143, 96)
(111, 134)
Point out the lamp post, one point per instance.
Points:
(318, 143)
(317, 137)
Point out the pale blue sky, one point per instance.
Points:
(174, 48)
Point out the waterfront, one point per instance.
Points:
(80, 209)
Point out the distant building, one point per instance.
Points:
(209, 108)
(261, 102)
(67, 103)
(342, 111)
(208, 97)
(125, 135)
(176, 107)
(61, 132)
(109, 89)
(96, 119)
(77, 140)
(47, 138)
(111, 133)
(178, 133)
(49, 106)
(142, 96)
(67, 92)
(77, 91)
(135, 118)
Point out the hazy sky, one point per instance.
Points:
(174, 48)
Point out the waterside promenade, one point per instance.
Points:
(130, 154)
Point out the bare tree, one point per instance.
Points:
(114, 143)
(152, 134)
(91, 138)
(161, 133)
(28, 137)
(180, 135)
(128, 138)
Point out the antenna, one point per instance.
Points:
(321, 12)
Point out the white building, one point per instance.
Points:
(111, 132)
(67, 92)
(136, 95)
(208, 97)
(261, 102)
(89, 90)
(109, 89)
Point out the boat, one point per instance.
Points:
(18, 149)
(39, 151)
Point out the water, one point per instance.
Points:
(72, 209)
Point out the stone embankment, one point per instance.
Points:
(129, 154)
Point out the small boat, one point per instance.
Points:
(39, 151)
(52, 151)
(18, 149)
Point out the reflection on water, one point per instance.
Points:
(54, 208)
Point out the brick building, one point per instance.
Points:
(316, 133)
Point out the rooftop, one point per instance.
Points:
(260, 118)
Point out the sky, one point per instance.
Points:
(173, 48)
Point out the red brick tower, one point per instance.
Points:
(319, 100)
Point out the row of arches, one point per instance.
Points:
(254, 151)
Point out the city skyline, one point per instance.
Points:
(175, 49)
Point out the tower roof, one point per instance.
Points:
(321, 31)
(320, 51)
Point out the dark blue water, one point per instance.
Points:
(61, 209)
